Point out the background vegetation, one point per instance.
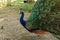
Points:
(25, 6)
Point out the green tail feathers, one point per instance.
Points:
(45, 16)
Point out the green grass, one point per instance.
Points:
(25, 7)
(20, 0)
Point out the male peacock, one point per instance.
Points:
(43, 16)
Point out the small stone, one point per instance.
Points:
(2, 27)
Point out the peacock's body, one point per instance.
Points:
(44, 16)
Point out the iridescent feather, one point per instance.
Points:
(43, 16)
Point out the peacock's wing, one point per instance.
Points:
(45, 16)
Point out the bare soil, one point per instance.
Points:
(11, 29)
(10, 26)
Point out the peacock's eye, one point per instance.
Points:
(46, 3)
(39, 17)
(40, 0)
(51, 19)
(47, 10)
(35, 6)
(41, 4)
(41, 8)
(56, 13)
(52, 3)
(43, 15)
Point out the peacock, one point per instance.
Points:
(43, 18)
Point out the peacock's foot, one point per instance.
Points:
(40, 32)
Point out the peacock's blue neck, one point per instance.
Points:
(22, 20)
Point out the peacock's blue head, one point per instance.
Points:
(22, 12)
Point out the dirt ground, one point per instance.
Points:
(11, 29)
(9, 24)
